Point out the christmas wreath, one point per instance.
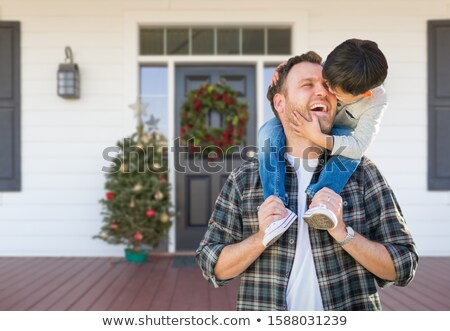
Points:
(196, 124)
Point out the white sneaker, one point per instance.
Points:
(320, 217)
(277, 228)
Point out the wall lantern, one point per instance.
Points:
(68, 78)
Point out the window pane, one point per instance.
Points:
(205, 41)
(154, 92)
(268, 72)
(152, 41)
(279, 41)
(228, 41)
(153, 81)
(253, 41)
(158, 107)
(202, 41)
(177, 41)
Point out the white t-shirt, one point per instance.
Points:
(303, 291)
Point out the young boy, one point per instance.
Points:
(354, 71)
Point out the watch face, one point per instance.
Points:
(350, 231)
(350, 236)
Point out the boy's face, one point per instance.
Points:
(344, 96)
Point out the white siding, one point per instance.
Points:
(57, 211)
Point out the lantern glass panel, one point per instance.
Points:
(68, 80)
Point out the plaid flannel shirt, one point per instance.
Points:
(369, 207)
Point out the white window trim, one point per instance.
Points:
(133, 20)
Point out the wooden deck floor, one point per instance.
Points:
(166, 283)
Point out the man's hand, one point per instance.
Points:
(333, 202)
(272, 209)
(236, 258)
(370, 254)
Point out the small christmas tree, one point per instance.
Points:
(137, 208)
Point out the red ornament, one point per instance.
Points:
(110, 195)
(138, 236)
(114, 226)
(197, 104)
(150, 213)
(193, 149)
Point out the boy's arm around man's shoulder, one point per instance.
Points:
(368, 114)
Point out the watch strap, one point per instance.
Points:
(350, 236)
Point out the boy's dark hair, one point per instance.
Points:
(283, 71)
(355, 66)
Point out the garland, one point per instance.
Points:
(195, 131)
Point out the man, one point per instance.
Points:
(306, 268)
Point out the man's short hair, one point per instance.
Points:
(355, 66)
(283, 71)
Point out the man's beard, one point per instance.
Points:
(325, 125)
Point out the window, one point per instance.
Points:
(268, 72)
(177, 41)
(276, 41)
(152, 41)
(219, 40)
(252, 41)
(153, 91)
(202, 41)
(228, 41)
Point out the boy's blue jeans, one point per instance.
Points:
(272, 166)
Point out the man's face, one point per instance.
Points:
(308, 94)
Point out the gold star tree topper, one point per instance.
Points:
(139, 108)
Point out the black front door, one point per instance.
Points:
(197, 188)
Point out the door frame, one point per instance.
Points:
(297, 19)
(189, 233)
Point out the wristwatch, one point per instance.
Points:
(350, 236)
